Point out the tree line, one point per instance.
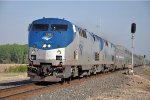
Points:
(13, 53)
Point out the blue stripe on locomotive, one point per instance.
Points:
(60, 39)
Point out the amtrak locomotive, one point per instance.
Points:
(59, 50)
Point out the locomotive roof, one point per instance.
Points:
(51, 20)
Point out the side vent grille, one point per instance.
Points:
(58, 57)
(96, 56)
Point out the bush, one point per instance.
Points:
(14, 53)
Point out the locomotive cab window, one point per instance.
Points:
(59, 27)
(40, 27)
(82, 33)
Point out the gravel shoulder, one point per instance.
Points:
(115, 86)
(136, 87)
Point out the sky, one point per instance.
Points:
(108, 19)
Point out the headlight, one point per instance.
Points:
(48, 45)
(44, 46)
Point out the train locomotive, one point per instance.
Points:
(60, 50)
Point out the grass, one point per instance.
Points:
(148, 88)
(148, 72)
(16, 69)
(13, 71)
(12, 76)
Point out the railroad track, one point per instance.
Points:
(32, 89)
(8, 92)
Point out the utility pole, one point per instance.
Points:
(133, 29)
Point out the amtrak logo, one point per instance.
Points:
(47, 36)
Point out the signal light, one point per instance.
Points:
(133, 28)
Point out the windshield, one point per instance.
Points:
(40, 27)
(59, 27)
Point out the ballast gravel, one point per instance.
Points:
(115, 86)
